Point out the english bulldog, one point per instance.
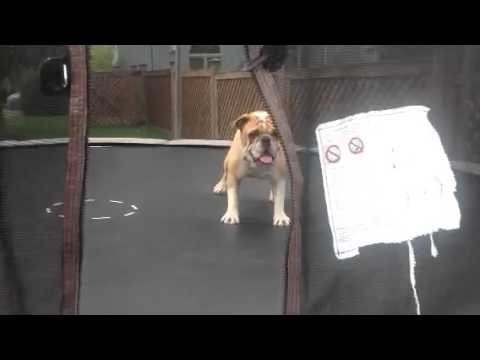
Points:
(255, 152)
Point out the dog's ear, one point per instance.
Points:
(240, 122)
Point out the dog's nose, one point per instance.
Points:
(266, 141)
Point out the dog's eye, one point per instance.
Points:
(253, 134)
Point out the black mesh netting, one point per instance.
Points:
(322, 83)
(31, 181)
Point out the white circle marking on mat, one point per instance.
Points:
(128, 212)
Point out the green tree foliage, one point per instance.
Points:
(101, 57)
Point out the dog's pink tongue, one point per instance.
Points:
(266, 159)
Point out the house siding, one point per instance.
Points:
(318, 55)
(233, 57)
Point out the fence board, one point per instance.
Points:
(196, 109)
(158, 99)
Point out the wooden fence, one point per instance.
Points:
(116, 99)
(158, 97)
(197, 102)
(316, 97)
(210, 102)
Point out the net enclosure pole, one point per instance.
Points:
(266, 84)
(176, 90)
(74, 182)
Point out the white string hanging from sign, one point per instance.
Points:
(412, 263)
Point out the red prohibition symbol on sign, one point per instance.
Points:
(356, 145)
(333, 154)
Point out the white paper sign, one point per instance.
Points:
(387, 179)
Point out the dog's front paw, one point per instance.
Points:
(281, 220)
(220, 188)
(230, 217)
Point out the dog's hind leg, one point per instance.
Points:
(221, 187)
(270, 197)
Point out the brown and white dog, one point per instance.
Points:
(255, 152)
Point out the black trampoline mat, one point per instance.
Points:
(174, 256)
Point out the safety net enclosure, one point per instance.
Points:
(112, 199)
(32, 182)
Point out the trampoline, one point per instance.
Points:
(175, 257)
(124, 226)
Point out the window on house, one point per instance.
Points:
(203, 57)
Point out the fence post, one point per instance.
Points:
(176, 92)
(466, 103)
(437, 93)
(285, 83)
(213, 107)
(141, 100)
